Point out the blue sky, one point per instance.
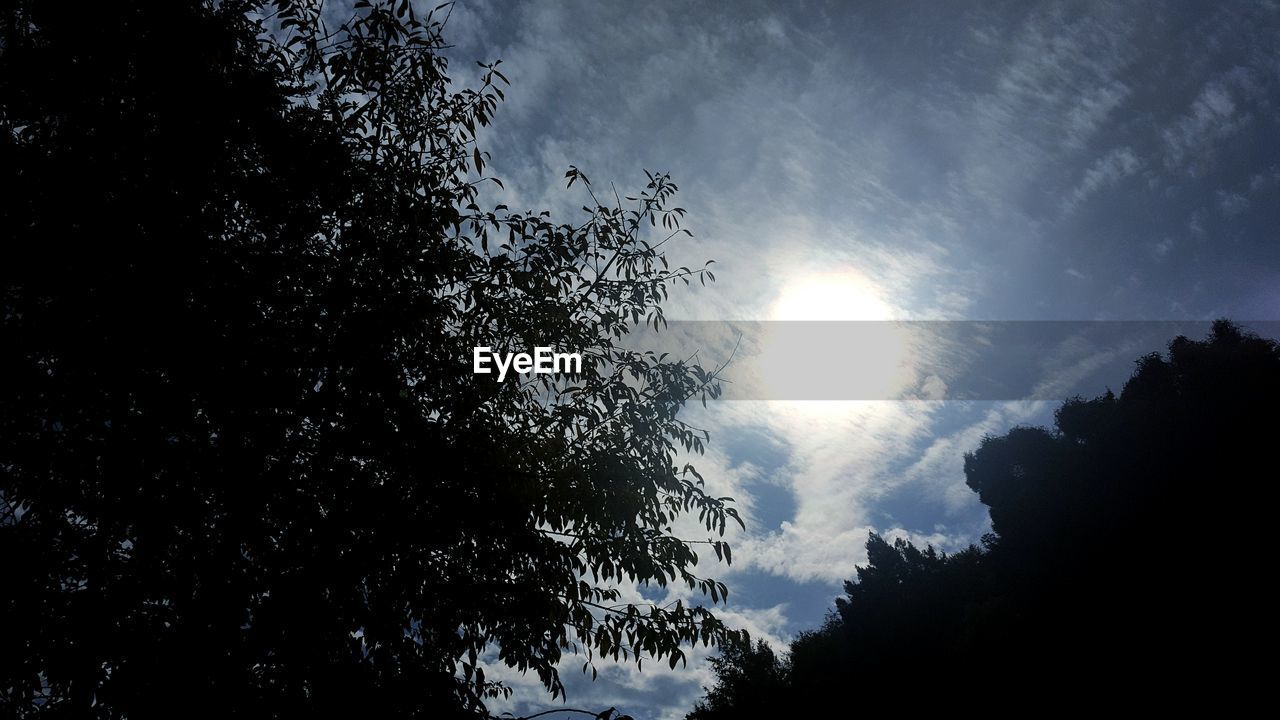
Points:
(907, 161)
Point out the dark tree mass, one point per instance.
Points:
(1124, 567)
(245, 467)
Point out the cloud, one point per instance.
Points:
(841, 458)
(1105, 172)
(1214, 115)
(655, 689)
(939, 468)
(1231, 203)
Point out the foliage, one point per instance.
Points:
(244, 461)
(747, 677)
(1122, 566)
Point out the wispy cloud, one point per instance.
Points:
(1109, 169)
(1214, 115)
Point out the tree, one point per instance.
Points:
(244, 461)
(748, 679)
(1123, 566)
(1111, 537)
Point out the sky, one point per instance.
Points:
(897, 161)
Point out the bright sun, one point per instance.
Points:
(858, 361)
(843, 295)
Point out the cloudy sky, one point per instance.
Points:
(899, 161)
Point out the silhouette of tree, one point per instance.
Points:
(1101, 525)
(245, 464)
(748, 678)
(1098, 582)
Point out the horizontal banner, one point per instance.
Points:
(921, 360)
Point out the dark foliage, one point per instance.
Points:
(748, 677)
(244, 464)
(1124, 568)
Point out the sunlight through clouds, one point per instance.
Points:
(796, 354)
(842, 295)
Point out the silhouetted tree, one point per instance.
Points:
(245, 466)
(749, 678)
(1124, 536)
(1124, 565)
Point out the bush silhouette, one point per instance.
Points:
(1124, 567)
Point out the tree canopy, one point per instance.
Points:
(1123, 566)
(244, 462)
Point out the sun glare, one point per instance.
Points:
(831, 296)
(819, 361)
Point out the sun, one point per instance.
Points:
(833, 339)
(843, 295)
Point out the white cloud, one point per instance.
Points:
(842, 457)
(1214, 115)
(655, 687)
(1106, 171)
